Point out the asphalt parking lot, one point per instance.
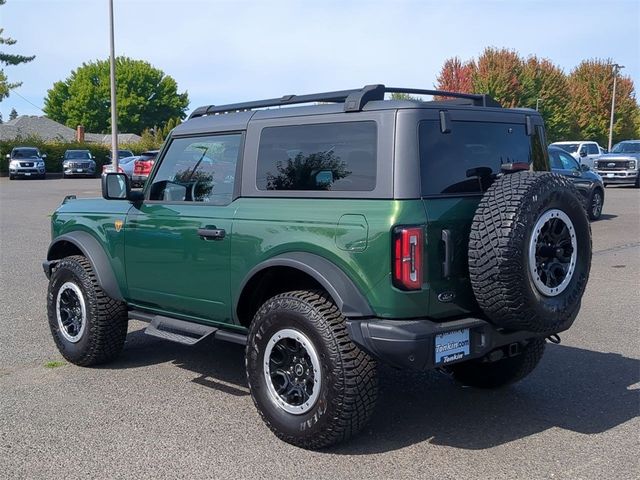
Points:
(167, 411)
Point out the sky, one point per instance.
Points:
(231, 51)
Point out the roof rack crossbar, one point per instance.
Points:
(354, 100)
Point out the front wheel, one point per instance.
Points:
(88, 327)
(311, 385)
(482, 373)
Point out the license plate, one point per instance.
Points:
(451, 346)
(610, 175)
(27, 174)
(78, 170)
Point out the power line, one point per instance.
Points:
(30, 103)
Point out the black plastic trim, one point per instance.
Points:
(409, 344)
(93, 251)
(342, 290)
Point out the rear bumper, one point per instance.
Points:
(410, 344)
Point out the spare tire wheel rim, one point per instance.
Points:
(553, 251)
(71, 312)
(292, 371)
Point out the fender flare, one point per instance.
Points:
(94, 252)
(349, 299)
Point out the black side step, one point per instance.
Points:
(187, 333)
(180, 331)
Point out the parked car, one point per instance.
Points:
(142, 168)
(125, 165)
(78, 163)
(328, 238)
(27, 162)
(622, 165)
(588, 182)
(121, 154)
(584, 152)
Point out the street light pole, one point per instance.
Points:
(538, 100)
(112, 79)
(616, 69)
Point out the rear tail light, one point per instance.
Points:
(407, 257)
(142, 167)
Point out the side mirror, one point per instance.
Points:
(116, 186)
(584, 167)
(583, 153)
(8, 156)
(44, 155)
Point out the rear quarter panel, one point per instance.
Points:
(264, 228)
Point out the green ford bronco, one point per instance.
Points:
(329, 237)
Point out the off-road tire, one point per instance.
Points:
(106, 318)
(480, 373)
(593, 212)
(499, 241)
(349, 376)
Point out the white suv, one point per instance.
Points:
(583, 152)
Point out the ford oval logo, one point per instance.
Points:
(611, 164)
(446, 297)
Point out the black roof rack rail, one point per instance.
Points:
(354, 100)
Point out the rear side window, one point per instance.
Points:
(329, 156)
(468, 159)
(592, 149)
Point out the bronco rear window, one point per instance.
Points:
(328, 156)
(467, 159)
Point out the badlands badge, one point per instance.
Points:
(119, 224)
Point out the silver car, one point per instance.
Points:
(622, 165)
(78, 163)
(26, 162)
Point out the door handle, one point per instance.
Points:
(448, 253)
(211, 233)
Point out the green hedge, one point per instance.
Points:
(55, 151)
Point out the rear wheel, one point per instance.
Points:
(88, 327)
(596, 202)
(312, 386)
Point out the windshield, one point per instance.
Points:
(568, 147)
(25, 153)
(626, 147)
(77, 154)
(125, 153)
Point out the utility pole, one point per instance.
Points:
(616, 69)
(538, 100)
(112, 77)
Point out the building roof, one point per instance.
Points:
(49, 130)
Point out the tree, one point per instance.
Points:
(146, 97)
(456, 76)
(590, 87)
(13, 114)
(8, 59)
(1, 121)
(498, 73)
(544, 86)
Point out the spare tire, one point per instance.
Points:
(530, 252)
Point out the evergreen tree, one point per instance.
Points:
(8, 59)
